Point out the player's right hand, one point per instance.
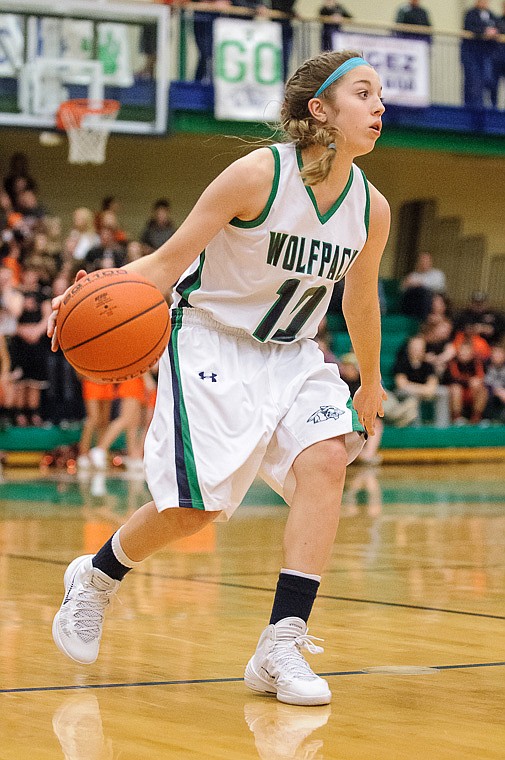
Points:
(55, 305)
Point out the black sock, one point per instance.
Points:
(294, 597)
(106, 561)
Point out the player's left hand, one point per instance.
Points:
(368, 404)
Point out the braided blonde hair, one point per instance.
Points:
(298, 124)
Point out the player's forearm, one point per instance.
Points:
(161, 269)
(364, 328)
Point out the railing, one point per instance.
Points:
(446, 73)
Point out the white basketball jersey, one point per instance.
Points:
(273, 276)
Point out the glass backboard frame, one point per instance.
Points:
(110, 12)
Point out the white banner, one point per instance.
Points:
(248, 83)
(11, 44)
(402, 64)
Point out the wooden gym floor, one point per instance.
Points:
(412, 612)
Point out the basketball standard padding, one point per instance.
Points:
(113, 325)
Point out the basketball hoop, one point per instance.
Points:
(88, 124)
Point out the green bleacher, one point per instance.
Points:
(396, 330)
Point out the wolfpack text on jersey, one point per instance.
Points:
(273, 276)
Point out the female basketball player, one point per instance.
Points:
(243, 388)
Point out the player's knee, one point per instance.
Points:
(324, 463)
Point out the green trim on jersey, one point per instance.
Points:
(356, 424)
(198, 279)
(323, 218)
(245, 225)
(189, 456)
(367, 204)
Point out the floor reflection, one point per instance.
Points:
(77, 723)
(284, 732)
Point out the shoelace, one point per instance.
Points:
(89, 612)
(287, 656)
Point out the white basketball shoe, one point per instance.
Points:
(77, 626)
(278, 666)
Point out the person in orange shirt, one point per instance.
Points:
(467, 389)
(132, 394)
(480, 346)
(98, 398)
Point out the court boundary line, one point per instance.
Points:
(196, 681)
(228, 584)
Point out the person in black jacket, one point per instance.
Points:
(286, 7)
(477, 55)
(413, 13)
(499, 56)
(334, 12)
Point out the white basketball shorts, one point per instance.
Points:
(230, 408)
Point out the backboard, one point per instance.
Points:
(55, 51)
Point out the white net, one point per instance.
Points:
(87, 124)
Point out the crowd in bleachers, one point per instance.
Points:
(482, 53)
(447, 365)
(38, 260)
(449, 368)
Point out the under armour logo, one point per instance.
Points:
(212, 376)
(326, 413)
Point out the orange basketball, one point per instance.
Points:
(113, 325)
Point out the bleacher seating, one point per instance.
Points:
(396, 330)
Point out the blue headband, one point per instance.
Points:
(348, 65)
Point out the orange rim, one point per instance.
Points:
(71, 112)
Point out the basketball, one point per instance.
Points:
(113, 325)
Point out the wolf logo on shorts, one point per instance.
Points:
(326, 413)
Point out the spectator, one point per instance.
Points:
(132, 396)
(416, 378)
(487, 322)
(6, 387)
(159, 228)
(18, 176)
(11, 254)
(478, 54)
(285, 7)
(420, 286)
(32, 212)
(465, 378)
(499, 54)
(108, 216)
(39, 254)
(441, 308)
(11, 303)
(5, 209)
(134, 251)
(480, 346)
(109, 253)
(203, 24)
(495, 384)
(335, 13)
(83, 233)
(62, 400)
(29, 349)
(414, 14)
(439, 346)
(98, 398)
(54, 235)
